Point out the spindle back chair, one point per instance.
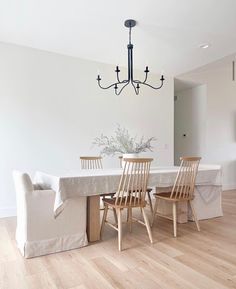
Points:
(130, 194)
(182, 190)
(95, 163)
(149, 190)
(91, 163)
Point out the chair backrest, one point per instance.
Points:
(185, 180)
(133, 183)
(91, 163)
(23, 183)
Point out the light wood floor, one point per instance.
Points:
(205, 259)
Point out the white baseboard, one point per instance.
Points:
(7, 212)
(228, 187)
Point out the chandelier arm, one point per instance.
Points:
(120, 82)
(135, 88)
(118, 93)
(117, 74)
(146, 76)
(117, 77)
(153, 87)
(140, 82)
(113, 84)
(124, 81)
(107, 86)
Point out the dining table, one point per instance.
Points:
(69, 184)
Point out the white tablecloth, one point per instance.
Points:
(93, 182)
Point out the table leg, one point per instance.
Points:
(93, 218)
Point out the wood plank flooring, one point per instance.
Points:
(205, 259)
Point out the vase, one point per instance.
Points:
(129, 156)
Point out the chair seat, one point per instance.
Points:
(108, 195)
(166, 196)
(112, 203)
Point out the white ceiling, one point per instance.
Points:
(167, 35)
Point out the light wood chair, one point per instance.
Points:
(149, 190)
(182, 190)
(94, 163)
(91, 163)
(130, 194)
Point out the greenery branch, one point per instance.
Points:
(123, 143)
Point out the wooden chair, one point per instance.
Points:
(130, 194)
(94, 163)
(182, 191)
(148, 189)
(90, 163)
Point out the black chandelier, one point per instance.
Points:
(120, 85)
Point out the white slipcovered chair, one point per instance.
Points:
(38, 232)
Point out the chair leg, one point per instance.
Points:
(101, 208)
(130, 219)
(118, 211)
(194, 215)
(115, 216)
(147, 225)
(104, 218)
(154, 212)
(150, 201)
(174, 219)
(127, 219)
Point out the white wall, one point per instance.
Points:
(220, 125)
(51, 109)
(190, 120)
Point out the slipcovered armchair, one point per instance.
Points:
(38, 232)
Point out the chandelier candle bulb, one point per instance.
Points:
(117, 69)
(146, 70)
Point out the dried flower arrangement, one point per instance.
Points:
(122, 143)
